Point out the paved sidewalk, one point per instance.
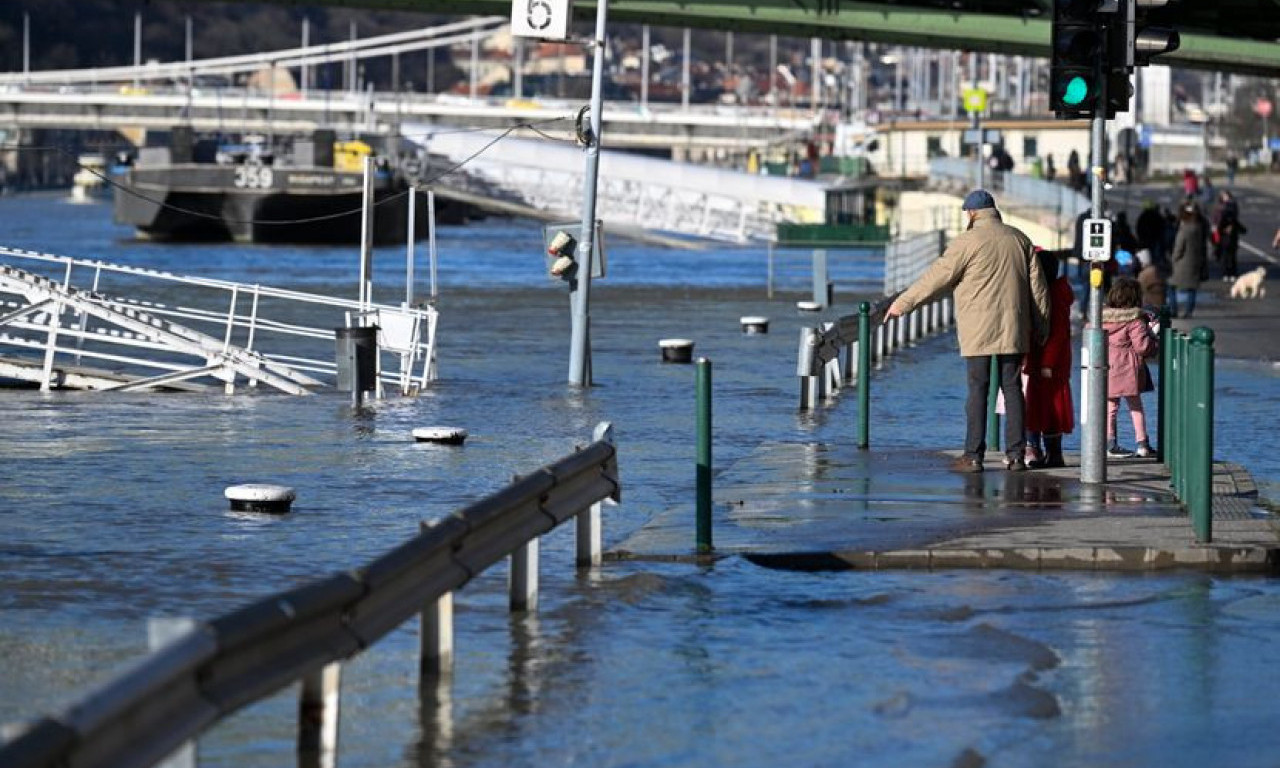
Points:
(818, 507)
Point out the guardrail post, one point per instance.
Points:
(436, 643)
(913, 327)
(318, 710)
(804, 369)
(879, 351)
(523, 581)
(162, 631)
(821, 286)
(704, 456)
(864, 374)
(1162, 394)
(901, 328)
(1200, 416)
(588, 520)
(993, 418)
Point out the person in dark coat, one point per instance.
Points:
(1149, 229)
(1190, 249)
(1122, 237)
(1227, 230)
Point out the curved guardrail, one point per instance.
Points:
(221, 666)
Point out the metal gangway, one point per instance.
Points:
(645, 192)
(188, 333)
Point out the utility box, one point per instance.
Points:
(357, 358)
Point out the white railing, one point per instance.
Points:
(146, 326)
(907, 258)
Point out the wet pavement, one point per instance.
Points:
(810, 506)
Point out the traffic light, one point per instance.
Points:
(1131, 43)
(1148, 41)
(1079, 47)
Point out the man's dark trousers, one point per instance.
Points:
(975, 410)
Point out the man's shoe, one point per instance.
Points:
(1015, 464)
(1114, 451)
(1144, 450)
(967, 464)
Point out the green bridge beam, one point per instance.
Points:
(1025, 33)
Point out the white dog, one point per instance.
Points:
(1250, 284)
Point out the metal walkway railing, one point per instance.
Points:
(221, 666)
(51, 332)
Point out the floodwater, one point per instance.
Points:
(111, 511)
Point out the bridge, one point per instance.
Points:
(1222, 36)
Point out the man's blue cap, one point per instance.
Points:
(978, 198)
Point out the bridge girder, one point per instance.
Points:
(1020, 28)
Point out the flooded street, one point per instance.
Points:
(111, 510)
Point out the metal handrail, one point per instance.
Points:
(239, 316)
(223, 665)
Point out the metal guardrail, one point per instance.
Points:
(1017, 190)
(303, 634)
(155, 342)
(1186, 420)
(841, 352)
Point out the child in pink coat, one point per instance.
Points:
(1129, 343)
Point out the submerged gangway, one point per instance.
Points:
(205, 332)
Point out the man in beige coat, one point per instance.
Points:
(1000, 303)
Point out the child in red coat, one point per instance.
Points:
(1129, 343)
(1049, 410)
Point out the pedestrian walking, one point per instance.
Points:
(1233, 166)
(1190, 185)
(1227, 229)
(1000, 304)
(1149, 229)
(1049, 409)
(1189, 260)
(1130, 342)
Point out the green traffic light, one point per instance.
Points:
(1076, 92)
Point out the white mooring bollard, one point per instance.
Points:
(260, 497)
(754, 324)
(676, 350)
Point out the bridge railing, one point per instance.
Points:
(304, 634)
(289, 329)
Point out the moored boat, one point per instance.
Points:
(304, 190)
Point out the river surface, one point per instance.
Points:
(111, 511)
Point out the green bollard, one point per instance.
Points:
(993, 418)
(1162, 394)
(1200, 416)
(704, 456)
(1184, 409)
(864, 375)
(1177, 411)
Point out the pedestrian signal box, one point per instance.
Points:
(1097, 240)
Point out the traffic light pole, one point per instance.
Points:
(1093, 408)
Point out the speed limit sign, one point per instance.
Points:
(544, 19)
